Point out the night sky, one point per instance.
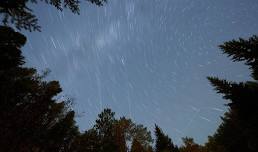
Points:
(144, 59)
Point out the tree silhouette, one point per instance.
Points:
(163, 142)
(190, 146)
(105, 129)
(238, 131)
(31, 119)
(89, 141)
(127, 131)
(116, 133)
(19, 13)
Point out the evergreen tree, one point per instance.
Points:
(163, 142)
(105, 129)
(31, 119)
(238, 131)
(19, 13)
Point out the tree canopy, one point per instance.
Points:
(163, 142)
(19, 12)
(31, 117)
(238, 131)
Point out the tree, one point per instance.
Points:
(105, 129)
(127, 131)
(122, 128)
(31, 119)
(238, 131)
(137, 146)
(89, 141)
(111, 134)
(213, 145)
(190, 146)
(19, 13)
(163, 142)
(141, 134)
(116, 133)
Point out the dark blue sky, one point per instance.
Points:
(145, 59)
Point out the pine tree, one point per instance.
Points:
(238, 131)
(105, 129)
(19, 13)
(31, 119)
(163, 142)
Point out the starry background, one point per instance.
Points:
(144, 59)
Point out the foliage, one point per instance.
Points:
(238, 131)
(190, 146)
(31, 118)
(163, 142)
(137, 146)
(89, 141)
(19, 13)
(111, 134)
